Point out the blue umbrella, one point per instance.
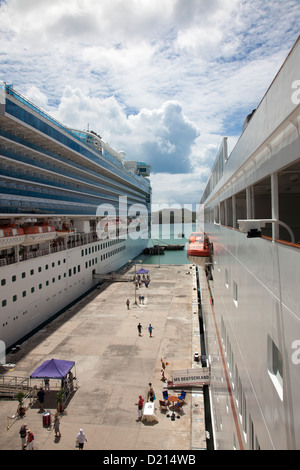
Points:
(142, 271)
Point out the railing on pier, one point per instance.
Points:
(11, 386)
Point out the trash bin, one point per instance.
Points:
(46, 420)
(196, 357)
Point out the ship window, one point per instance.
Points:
(24, 293)
(14, 298)
(23, 275)
(47, 283)
(4, 302)
(40, 286)
(226, 278)
(3, 282)
(40, 269)
(14, 278)
(235, 293)
(32, 272)
(275, 366)
(32, 290)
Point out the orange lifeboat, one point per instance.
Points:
(38, 234)
(10, 236)
(66, 230)
(198, 248)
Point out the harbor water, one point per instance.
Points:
(169, 234)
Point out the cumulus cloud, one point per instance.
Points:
(163, 80)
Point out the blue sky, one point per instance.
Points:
(162, 80)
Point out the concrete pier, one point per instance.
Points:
(114, 365)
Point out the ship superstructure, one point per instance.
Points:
(71, 208)
(252, 219)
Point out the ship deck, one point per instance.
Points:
(114, 366)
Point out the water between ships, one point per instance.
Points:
(169, 234)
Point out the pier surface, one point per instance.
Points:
(114, 365)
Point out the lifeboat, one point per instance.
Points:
(198, 248)
(10, 236)
(66, 230)
(38, 234)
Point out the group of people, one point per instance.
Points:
(140, 404)
(27, 437)
(139, 281)
(150, 329)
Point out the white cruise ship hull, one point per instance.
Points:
(57, 186)
(252, 327)
(45, 285)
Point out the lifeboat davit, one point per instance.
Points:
(10, 236)
(38, 234)
(198, 248)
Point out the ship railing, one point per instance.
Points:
(36, 253)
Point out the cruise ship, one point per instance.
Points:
(251, 206)
(71, 209)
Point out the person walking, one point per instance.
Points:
(128, 303)
(81, 438)
(150, 329)
(139, 327)
(30, 438)
(56, 426)
(151, 394)
(41, 397)
(23, 434)
(140, 405)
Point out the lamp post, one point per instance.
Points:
(135, 261)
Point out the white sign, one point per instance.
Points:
(198, 376)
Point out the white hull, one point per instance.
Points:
(70, 274)
(252, 327)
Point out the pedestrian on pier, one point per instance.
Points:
(139, 327)
(150, 329)
(81, 438)
(23, 434)
(41, 397)
(30, 438)
(128, 303)
(56, 426)
(140, 405)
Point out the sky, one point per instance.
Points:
(162, 80)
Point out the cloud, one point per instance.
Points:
(163, 80)
(162, 137)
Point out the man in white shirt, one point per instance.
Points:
(81, 438)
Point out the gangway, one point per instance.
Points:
(11, 386)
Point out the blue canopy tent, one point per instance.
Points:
(53, 369)
(142, 271)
